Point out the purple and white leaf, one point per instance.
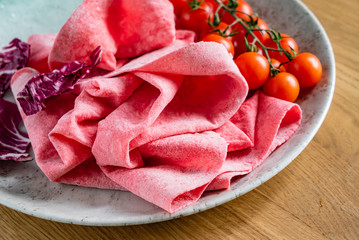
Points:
(12, 58)
(13, 142)
(45, 85)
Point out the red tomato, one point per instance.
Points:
(227, 43)
(238, 39)
(276, 64)
(262, 35)
(214, 4)
(178, 6)
(283, 86)
(287, 43)
(254, 68)
(307, 68)
(243, 10)
(222, 26)
(196, 19)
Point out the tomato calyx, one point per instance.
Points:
(233, 4)
(195, 4)
(223, 32)
(277, 38)
(273, 70)
(197, 18)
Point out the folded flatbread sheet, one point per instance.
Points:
(168, 121)
(124, 29)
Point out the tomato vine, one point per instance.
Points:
(250, 26)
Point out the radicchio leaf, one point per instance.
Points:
(45, 85)
(13, 142)
(13, 57)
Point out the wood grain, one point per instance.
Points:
(315, 197)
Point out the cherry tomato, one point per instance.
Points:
(214, 4)
(307, 68)
(238, 39)
(287, 43)
(276, 64)
(243, 10)
(178, 6)
(227, 43)
(222, 27)
(196, 19)
(254, 68)
(283, 86)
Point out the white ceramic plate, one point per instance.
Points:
(25, 188)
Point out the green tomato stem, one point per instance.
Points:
(250, 31)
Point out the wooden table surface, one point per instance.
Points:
(315, 197)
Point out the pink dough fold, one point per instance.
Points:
(41, 45)
(124, 29)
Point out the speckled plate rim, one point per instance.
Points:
(213, 199)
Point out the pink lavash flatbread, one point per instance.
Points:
(41, 45)
(38, 127)
(167, 125)
(268, 122)
(145, 106)
(123, 29)
(171, 159)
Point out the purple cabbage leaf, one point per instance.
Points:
(12, 58)
(45, 85)
(13, 142)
